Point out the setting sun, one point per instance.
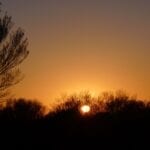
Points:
(85, 109)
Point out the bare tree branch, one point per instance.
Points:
(13, 51)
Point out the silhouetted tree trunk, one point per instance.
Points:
(13, 50)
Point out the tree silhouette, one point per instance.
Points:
(13, 50)
(123, 123)
(22, 110)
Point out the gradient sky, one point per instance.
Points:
(76, 45)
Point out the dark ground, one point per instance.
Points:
(126, 126)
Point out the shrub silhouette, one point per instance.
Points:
(119, 121)
(22, 110)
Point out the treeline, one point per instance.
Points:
(115, 121)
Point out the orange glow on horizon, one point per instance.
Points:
(91, 46)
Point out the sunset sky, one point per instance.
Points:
(77, 45)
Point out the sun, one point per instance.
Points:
(85, 109)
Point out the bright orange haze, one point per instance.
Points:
(83, 45)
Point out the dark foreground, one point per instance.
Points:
(125, 125)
